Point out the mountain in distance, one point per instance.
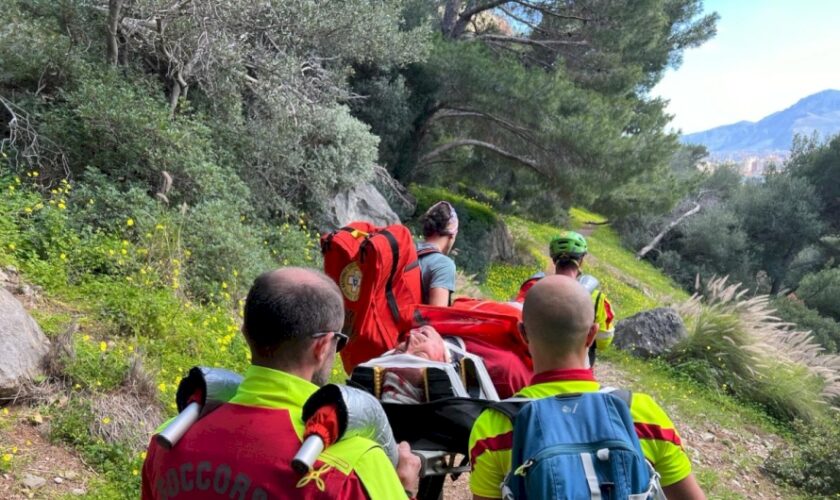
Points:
(773, 135)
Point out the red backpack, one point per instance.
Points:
(377, 271)
(495, 323)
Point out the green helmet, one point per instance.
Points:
(567, 245)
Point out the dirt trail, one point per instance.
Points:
(37, 468)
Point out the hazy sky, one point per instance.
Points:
(766, 56)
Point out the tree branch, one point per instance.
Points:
(114, 12)
(455, 112)
(549, 12)
(546, 44)
(528, 162)
(655, 241)
(465, 17)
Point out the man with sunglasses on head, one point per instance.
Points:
(244, 448)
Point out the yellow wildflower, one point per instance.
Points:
(129, 222)
(106, 420)
(7, 457)
(103, 346)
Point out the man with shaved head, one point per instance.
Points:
(243, 449)
(559, 325)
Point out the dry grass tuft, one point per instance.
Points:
(741, 345)
(123, 417)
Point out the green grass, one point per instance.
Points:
(631, 285)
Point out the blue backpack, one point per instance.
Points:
(576, 446)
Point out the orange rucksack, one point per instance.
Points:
(377, 271)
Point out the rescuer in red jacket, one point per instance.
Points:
(243, 450)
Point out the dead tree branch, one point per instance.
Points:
(655, 241)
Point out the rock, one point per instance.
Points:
(33, 482)
(650, 333)
(708, 437)
(22, 346)
(361, 202)
(70, 475)
(58, 480)
(499, 243)
(78, 491)
(398, 197)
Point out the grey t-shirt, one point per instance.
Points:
(437, 271)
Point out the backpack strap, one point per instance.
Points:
(389, 285)
(427, 251)
(622, 394)
(510, 407)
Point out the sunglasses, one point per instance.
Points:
(342, 339)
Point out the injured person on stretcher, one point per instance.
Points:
(402, 374)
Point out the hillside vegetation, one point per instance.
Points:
(123, 340)
(156, 156)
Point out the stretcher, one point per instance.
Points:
(438, 427)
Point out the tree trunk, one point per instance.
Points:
(450, 17)
(114, 9)
(655, 241)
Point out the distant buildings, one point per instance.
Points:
(751, 165)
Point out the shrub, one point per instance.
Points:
(740, 347)
(826, 331)
(812, 461)
(821, 290)
(96, 364)
(222, 248)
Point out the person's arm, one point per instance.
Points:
(604, 316)
(408, 470)
(687, 489)
(439, 297)
(441, 282)
(379, 479)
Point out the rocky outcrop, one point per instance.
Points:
(498, 243)
(650, 333)
(22, 346)
(398, 197)
(361, 202)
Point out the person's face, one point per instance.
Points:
(424, 342)
(321, 375)
(449, 244)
